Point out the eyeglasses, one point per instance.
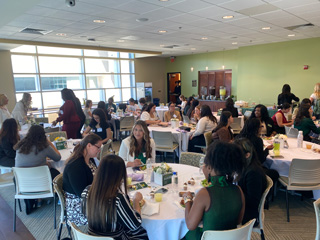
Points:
(97, 147)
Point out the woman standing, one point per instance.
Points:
(221, 205)
(99, 126)
(183, 102)
(223, 131)
(286, 96)
(230, 107)
(20, 111)
(138, 147)
(206, 123)
(87, 109)
(315, 101)
(150, 115)
(78, 174)
(253, 181)
(108, 208)
(280, 120)
(4, 113)
(8, 138)
(68, 114)
(172, 113)
(267, 127)
(79, 112)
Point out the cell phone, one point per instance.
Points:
(161, 190)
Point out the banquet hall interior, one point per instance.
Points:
(114, 48)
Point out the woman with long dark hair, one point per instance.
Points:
(149, 115)
(190, 112)
(304, 123)
(221, 205)
(138, 147)
(286, 96)
(78, 174)
(230, 107)
(108, 207)
(68, 114)
(102, 105)
(223, 131)
(206, 123)
(267, 127)
(99, 126)
(188, 105)
(79, 112)
(8, 138)
(280, 120)
(253, 181)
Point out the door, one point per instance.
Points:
(173, 86)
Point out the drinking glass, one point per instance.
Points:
(276, 147)
(201, 163)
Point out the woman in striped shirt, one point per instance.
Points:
(109, 212)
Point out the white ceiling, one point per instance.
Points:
(186, 22)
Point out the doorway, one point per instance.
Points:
(173, 87)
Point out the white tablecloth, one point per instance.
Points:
(25, 128)
(160, 111)
(282, 165)
(182, 138)
(169, 223)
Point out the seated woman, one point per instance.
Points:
(267, 127)
(223, 131)
(221, 205)
(132, 107)
(108, 206)
(102, 105)
(206, 123)
(303, 102)
(253, 181)
(172, 113)
(279, 119)
(33, 151)
(78, 174)
(99, 126)
(191, 110)
(230, 107)
(304, 123)
(8, 138)
(149, 115)
(188, 105)
(111, 107)
(197, 114)
(138, 147)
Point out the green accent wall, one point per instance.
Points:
(258, 72)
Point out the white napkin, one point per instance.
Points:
(178, 205)
(150, 208)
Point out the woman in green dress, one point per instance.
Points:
(220, 205)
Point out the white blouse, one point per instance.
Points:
(4, 114)
(146, 116)
(204, 125)
(19, 113)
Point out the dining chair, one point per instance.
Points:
(247, 114)
(304, 175)
(105, 149)
(236, 125)
(241, 233)
(41, 120)
(259, 227)
(191, 158)
(53, 135)
(316, 205)
(164, 142)
(78, 235)
(32, 183)
(57, 186)
(291, 132)
(126, 124)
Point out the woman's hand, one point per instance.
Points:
(188, 195)
(137, 197)
(137, 162)
(191, 136)
(269, 147)
(54, 123)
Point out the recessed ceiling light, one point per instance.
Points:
(192, 49)
(162, 45)
(266, 28)
(99, 21)
(120, 40)
(291, 35)
(227, 17)
(234, 43)
(61, 34)
(204, 38)
(142, 19)
(162, 31)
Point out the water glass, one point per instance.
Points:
(201, 163)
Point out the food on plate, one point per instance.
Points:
(141, 203)
(182, 203)
(205, 183)
(185, 186)
(142, 168)
(316, 150)
(191, 181)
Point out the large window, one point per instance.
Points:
(95, 75)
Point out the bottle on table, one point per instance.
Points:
(300, 140)
(174, 181)
(149, 169)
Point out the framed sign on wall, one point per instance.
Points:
(194, 83)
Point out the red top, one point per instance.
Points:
(284, 120)
(68, 113)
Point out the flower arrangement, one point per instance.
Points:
(281, 136)
(59, 139)
(163, 169)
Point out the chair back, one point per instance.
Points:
(291, 132)
(208, 138)
(163, 139)
(41, 120)
(316, 205)
(52, 129)
(78, 235)
(304, 172)
(33, 182)
(190, 158)
(261, 205)
(242, 233)
(53, 135)
(58, 187)
(105, 149)
(126, 123)
(236, 125)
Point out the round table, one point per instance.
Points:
(160, 111)
(170, 223)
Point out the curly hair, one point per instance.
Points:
(146, 141)
(263, 111)
(36, 137)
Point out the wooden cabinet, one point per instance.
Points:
(213, 104)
